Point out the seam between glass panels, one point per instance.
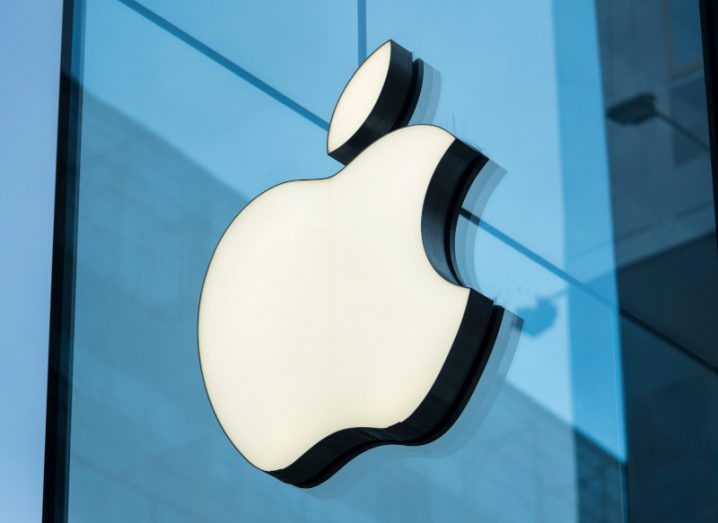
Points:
(361, 30)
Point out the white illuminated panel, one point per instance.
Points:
(320, 310)
(359, 97)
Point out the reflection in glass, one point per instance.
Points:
(598, 235)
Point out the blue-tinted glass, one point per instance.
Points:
(306, 50)
(191, 109)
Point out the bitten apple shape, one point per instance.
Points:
(331, 317)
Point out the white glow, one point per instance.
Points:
(359, 97)
(320, 310)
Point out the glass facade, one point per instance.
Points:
(596, 228)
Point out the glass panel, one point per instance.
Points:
(665, 242)
(190, 110)
(306, 50)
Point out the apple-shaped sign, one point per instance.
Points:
(332, 318)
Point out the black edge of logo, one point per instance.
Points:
(447, 190)
(433, 417)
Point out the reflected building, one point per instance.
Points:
(664, 225)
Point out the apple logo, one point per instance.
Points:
(332, 318)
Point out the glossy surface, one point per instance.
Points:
(191, 110)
